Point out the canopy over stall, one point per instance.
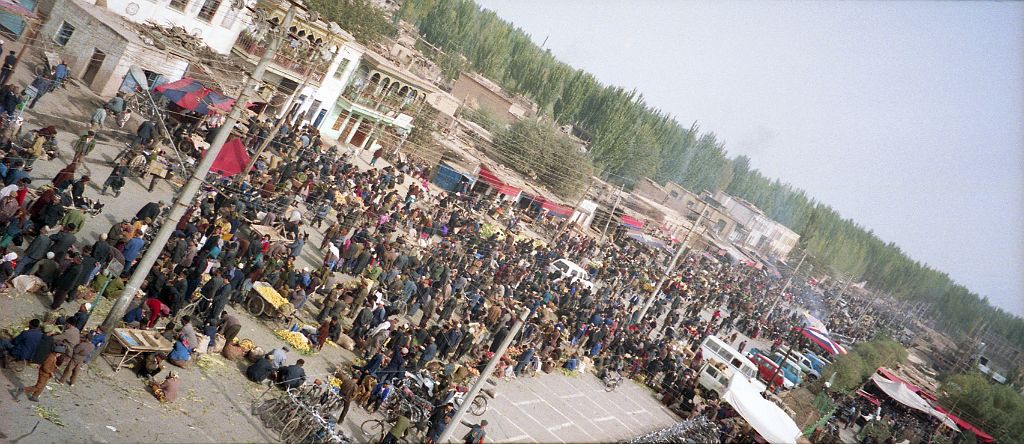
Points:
(821, 338)
(899, 392)
(190, 94)
(631, 221)
(768, 419)
(488, 177)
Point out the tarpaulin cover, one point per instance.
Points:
(231, 160)
(488, 177)
(899, 392)
(770, 421)
(813, 322)
(188, 93)
(648, 240)
(553, 208)
(821, 338)
(631, 221)
(984, 437)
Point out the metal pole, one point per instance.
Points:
(30, 40)
(568, 221)
(611, 215)
(671, 266)
(277, 127)
(788, 281)
(778, 368)
(191, 188)
(482, 379)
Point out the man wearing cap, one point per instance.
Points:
(46, 270)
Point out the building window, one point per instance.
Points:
(342, 65)
(230, 17)
(64, 33)
(209, 10)
(178, 4)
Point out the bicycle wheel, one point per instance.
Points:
(262, 405)
(479, 405)
(295, 431)
(372, 428)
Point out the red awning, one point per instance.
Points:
(231, 159)
(488, 177)
(984, 437)
(964, 425)
(631, 221)
(557, 210)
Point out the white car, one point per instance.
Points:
(569, 270)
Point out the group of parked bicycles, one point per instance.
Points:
(303, 415)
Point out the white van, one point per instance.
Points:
(569, 270)
(722, 363)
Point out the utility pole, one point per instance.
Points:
(30, 39)
(789, 349)
(277, 126)
(568, 221)
(618, 196)
(671, 266)
(788, 281)
(467, 401)
(188, 193)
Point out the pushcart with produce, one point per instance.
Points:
(265, 300)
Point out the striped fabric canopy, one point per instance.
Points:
(818, 337)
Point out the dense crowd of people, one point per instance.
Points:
(416, 280)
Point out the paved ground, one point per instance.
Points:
(557, 408)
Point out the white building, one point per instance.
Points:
(758, 231)
(216, 22)
(328, 56)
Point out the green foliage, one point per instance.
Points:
(482, 117)
(854, 368)
(537, 149)
(997, 409)
(631, 140)
(366, 22)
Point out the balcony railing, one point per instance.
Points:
(251, 46)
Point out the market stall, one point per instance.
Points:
(768, 419)
(133, 343)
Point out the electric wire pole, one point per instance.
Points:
(188, 193)
(467, 401)
(671, 266)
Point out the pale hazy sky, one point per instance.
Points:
(906, 116)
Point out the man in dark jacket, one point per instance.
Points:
(64, 285)
(36, 250)
(101, 250)
(293, 375)
(260, 370)
(150, 210)
(62, 241)
(23, 346)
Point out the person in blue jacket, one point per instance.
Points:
(23, 346)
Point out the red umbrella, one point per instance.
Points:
(232, 159)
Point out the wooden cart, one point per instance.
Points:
(264, 299)
(134, 343)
